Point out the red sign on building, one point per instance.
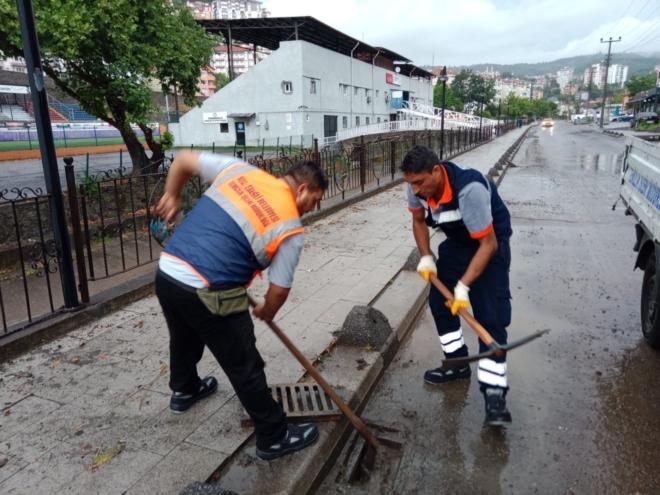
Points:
(389, 78)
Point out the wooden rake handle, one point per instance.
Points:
(483, 334)
(359, 425)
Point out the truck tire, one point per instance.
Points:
(650, 304)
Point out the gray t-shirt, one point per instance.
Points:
(285, 261)
(473, 209)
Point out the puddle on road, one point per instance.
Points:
(602, 162)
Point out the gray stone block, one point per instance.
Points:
(364, 326)
(198, 488)
(412, 261)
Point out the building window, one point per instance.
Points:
(377, 93)
(224, 127)
(378, 120)
(312, 87)
(345, 89)
(344, 122)
(287, 87)
(357, 121)
(355, 90)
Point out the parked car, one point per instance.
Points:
(650, 117)
(547, 123)
(621, 118)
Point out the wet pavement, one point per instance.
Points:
(29, 173)
(584, 399)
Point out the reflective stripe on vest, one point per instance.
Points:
(261, 205)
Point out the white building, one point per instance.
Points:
(617, 74)
(239, 9)
(309, 85)
(201, 10)
(516, 87)
(595, 74)
(564, 77)
(242, 56)
(13, 65)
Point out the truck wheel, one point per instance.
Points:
(650, 306)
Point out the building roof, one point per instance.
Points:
(268, 32)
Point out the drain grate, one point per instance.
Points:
(302, 402)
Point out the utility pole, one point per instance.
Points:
(607, 68)
(443, 79)
(591, 80)
(47, 148)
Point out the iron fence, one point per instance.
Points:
(28, 257)
(109, 214)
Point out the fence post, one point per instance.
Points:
(393, 158)
(64, 137)
(75, 227)
(363, 164)
(96, 140)
(290, 143)
(213, 147)
(29, 138)
(121, 156)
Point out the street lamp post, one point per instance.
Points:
(47, 148)
(481, 114)
(499, 107)
(443, 78)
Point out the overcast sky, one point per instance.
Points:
(463, 32)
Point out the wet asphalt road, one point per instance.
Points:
(585, 398)
(29, 173)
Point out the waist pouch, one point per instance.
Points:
(224, 302)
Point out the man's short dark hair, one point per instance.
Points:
(310, 173)
(419, 159)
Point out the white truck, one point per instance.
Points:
(640, 192)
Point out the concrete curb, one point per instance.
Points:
(497, 172)
(613, 133)
(401, 302)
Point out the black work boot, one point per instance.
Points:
(496, 412)
(180, 402)
(444, 375)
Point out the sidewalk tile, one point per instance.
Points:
(222, 432)
(176, 470)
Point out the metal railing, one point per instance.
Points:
(421, 121)
(109, 212)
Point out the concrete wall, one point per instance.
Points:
(335, 79)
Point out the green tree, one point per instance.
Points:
(470, 87)
(640, 82)
(221, 80)
(452, 102)
(105, 54)
(460, 86)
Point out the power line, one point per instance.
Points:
(622, 16)
(649, 40)
(631, 30)
(642, 38)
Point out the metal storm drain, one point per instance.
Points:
(302, 402)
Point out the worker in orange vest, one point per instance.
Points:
(246, 221)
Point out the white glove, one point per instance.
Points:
(461, 298)
(426, 267)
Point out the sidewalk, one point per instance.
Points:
(89, 413)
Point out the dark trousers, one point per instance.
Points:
(231, 340)
(490, 297)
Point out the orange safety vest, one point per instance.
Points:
(261, 205)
